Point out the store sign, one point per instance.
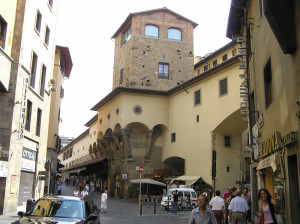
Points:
(275, 142)
(23, 108)
(271, 161)
(244, 88)
(28, 160)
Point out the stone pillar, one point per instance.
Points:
(119, 143)
(148, 147)
(125, 133)
(107, 140)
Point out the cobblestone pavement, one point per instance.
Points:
(124, 211)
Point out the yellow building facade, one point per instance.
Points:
(171, 132)
(269, 50)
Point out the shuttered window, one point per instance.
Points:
(223, 87)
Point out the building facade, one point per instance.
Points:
(28, 48)
(181, 119)
(269, 40)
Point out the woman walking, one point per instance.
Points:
(104, 201)
(202, 214)
(266, 207)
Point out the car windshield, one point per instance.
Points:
(169, 193)
(57, 208)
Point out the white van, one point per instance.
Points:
(182, 202)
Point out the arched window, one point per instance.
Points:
(151, 31)
(174, 34)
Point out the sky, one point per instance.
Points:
(86, 28)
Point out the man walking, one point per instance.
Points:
(226, 197)
(176, 202)
(247, 197)
(238, 209)
(217, 206)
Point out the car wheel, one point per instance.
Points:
(180, 207)
(193, 206)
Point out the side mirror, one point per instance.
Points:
(92, 217)
(21, 214)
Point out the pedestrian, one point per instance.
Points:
(267, 206)
(84, 193)
(238, 209)
(59, 189)
(176, 196)
(87, 187)
(226, 198)
(188, 202)
(104, 197)
(217, 205)
(202, 214)
(76, 192)
(92, 187)
(172, 201)
(247, 197)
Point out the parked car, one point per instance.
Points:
(182, 201)
(61, 209)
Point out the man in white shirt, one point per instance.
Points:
(238, 209)
(84, 193)
(217, 205)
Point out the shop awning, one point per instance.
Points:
(189, 180)
(148, 181)
(77, 170)
(271, 161)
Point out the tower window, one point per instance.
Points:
(224, 57)
(174, 34)
(126, 35)
(163, 70)
(151, 31)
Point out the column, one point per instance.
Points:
(148, 147)
(125, 133)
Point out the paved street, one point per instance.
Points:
(125, 212)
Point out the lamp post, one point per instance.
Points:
(140, 194)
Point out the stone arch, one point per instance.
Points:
(176, 165)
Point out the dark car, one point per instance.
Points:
(61, 209)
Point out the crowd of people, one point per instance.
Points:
(233, 207)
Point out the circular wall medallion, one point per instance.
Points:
(137, 109)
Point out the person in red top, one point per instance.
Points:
(226, 197)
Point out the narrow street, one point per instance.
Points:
(125, 212)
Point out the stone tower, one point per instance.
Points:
(153, 50)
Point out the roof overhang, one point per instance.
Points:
(236, 17)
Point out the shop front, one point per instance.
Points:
(278, 172)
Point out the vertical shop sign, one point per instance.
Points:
(23, 108)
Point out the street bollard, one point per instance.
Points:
(168, 205)
(141, 207)
(154, 206)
